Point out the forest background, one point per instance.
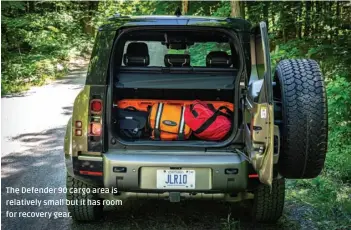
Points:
(39, 39)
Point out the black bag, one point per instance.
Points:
(131, 122)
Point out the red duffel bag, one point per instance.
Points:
(206, 122)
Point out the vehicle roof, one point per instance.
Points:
(118, 21)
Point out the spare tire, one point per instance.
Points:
(303, 121)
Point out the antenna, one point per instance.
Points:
(178, 12)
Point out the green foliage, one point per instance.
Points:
(36, 47)
(224, 10)
(328, 200)
(334, 63)
(329, 193)
(199, 51)
(39, 38)
(339, 155)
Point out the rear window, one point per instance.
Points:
(198, 52)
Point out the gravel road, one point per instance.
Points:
(33, 127)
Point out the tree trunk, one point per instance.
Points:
(307, 18)
(281, 23)
(242, 5)
(236, 10)
(324, 19)
(185, 6)
(299, 30)
(266, 13)
(273, 19)
(30, 7)
(87, 23)
(317, 21)
(337, 19)
(314, 17)
(331, 23)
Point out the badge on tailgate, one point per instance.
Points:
(175, 179)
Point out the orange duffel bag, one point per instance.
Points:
(167, 122)
(144, 104)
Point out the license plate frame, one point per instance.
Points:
(176, 179)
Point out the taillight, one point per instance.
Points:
(95, 125)
(95, 129)
(96, 106)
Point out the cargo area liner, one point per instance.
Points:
(115, 86)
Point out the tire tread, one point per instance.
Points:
(82, 212)
(269, 203)
(305, 121)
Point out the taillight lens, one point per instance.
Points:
(95, 129)
(95, 126)
(96, 106)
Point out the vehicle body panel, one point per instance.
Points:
(106, 34)
(237, 24)
(141, 168)
(67, 148)
(100, 57)
(74, 144)
(141, 162)
(260, 139)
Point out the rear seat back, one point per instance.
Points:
(177, 60)
(137, 54)
(218, 59)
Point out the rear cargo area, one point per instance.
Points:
(173, 86)
(144, 99)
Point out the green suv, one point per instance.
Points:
(279, 119)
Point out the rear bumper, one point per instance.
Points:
(136, 172)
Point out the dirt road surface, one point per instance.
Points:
(33, 127)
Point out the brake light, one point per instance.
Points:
(95, 129)
(96, 106)
(95, 121)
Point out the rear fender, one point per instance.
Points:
(68, 139)
(80, 113)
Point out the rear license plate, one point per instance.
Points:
(176, 179)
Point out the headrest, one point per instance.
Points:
(177, 60)
(137, 55)
(218, 59)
